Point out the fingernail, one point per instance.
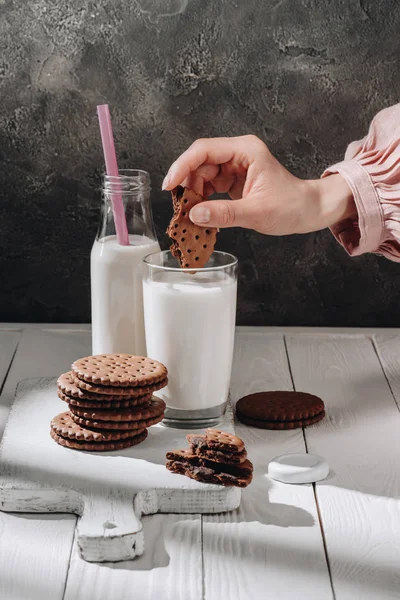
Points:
(166, 181)
(200, 214)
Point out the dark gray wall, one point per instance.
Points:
(306, 76)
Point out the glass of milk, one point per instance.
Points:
(116, 271)
(190, 319)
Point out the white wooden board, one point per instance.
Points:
(360, 437)
(169, 569)
(37, 570)
(39, 354)
(110, 491)
(8, 345)
(266, 549)
(271, 548)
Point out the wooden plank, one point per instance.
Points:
(360, 503)
(158, 573)
(35, 549)
(169, 569)
(387, 346)
(68, 327)
(272, 546)
(8, 344)
(41, 354)
(171, 565)
(258, 329)
(316, 331)
(38, 475)
(45, 354)
(34, 554)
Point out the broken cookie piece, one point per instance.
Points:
(191, 244)
(216, 457)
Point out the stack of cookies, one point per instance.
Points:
(216, 457)
(110, 400)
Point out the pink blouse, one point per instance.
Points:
(371, 168)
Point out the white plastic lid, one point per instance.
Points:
(298, 468)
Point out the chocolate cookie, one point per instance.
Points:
(99, 446)
(118, 425)
(280, 406)
(186, 456)
(67, 386)
(63, 425)
(215, 439)
(191, 244)
(229, 458)
(119, 370)
(296, 424)
(206, 475)
(115, 391)
(114, 404)
(152, 408)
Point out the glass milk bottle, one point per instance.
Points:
(116, 270)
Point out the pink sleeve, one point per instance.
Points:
(372, 170)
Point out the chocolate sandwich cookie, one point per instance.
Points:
(280, 410)
(215, 439)
(99, 446)
(239, 470)
(118, 370)
(64, 426)
(191, 244)
(216, 457)
(199, 447)
(111, 404)
(207, 475)
(283, 425)
(67, 433)
(128, 392)
(117, 425)
(73, 387)
(152, 408)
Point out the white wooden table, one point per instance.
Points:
(338, 539)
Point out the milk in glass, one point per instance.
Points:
(190, 327)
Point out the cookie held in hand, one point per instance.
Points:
(191, 244)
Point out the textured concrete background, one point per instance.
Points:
(306, 76)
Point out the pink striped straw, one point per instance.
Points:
(110, 158)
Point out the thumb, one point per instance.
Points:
(221, 213)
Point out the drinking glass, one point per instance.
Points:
(190, 327)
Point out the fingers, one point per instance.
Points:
(208, 190)
(220, 182)
(223, 213)
(236, 190)
(196, 180)
(213, 151)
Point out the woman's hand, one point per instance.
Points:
(265, 196)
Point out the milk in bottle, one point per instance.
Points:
(116, 270)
